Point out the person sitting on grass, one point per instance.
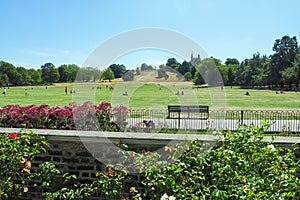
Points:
(4, 92)
(247, 94)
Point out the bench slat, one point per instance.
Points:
(187, 109)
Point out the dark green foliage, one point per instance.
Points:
(49, 73)
(67, 73)
(118, 70)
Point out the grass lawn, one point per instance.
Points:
(152, 95)
(37, 95)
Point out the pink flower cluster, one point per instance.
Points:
(145, 126)
(120, 114)
(87, 116)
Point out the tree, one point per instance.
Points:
(239, 73)
(35, 76)
(145, 67)
(286, 50)
(108, 74)
(49, 73)
(184, 67)
(193, 70)
(230, 75)
(128, 76)
(67, 73)
(289, 76)
(137, 71)
(11, 72)
(198, 80)
(296, 66)
(4, 80)
(118, 70)
(162, 71)
(261, 65)
(252, 72)
(188, 76)
(63, 75)
(224, 73)
(232, 61)
(172, 62)
(216, 61)
(86, 74)
(24, 78)
(210, 72)
(73, 70)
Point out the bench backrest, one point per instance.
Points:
(190, 109)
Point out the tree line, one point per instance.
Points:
(47, 74)
(279, 70)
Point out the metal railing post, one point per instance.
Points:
(242, 117)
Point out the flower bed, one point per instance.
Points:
(84, 117)
(87, 116)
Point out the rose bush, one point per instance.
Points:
(241, 166)
(17, 150)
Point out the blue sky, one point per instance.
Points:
(34, 32)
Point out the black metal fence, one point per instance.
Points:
(282, 120)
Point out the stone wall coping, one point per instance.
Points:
(74, 135)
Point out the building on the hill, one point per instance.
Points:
(195, 60)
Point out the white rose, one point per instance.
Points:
(271, 147)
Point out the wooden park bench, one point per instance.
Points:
(180, 112)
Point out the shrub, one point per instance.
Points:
(241, 166)
(17, 151)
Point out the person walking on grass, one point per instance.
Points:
(4, 91)
(66, 90)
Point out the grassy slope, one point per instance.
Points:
(152, 95)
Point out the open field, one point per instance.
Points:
(152, 95)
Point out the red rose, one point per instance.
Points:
(12, 135)
(110, 172)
